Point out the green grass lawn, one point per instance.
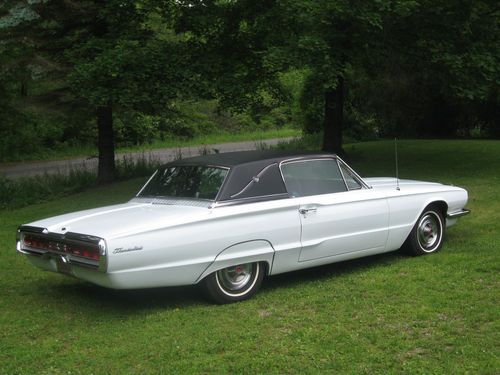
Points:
(437, 314)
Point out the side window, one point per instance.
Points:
(312, 177)
(267, 182)
(351, 180)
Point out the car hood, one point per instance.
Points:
(384, 182)
(123, 219)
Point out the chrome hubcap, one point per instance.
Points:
(236, 277)
(429, 232)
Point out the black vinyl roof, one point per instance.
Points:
(252, 174)
(231, 159)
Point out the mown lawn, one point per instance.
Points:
(391, 313)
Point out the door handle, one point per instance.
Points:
(306, 210)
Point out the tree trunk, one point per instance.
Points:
(334, 117)
(105, 144)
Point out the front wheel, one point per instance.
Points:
(427, 235)
(235, 283)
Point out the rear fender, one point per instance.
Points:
(240, 253)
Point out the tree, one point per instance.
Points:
(455, 43)
(257, 40)
(106, 55)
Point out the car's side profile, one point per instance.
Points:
(226, 221)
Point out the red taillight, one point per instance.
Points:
(39, 243)
(82, 250)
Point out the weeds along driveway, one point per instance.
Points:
(29, 169)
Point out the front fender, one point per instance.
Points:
(240, 253)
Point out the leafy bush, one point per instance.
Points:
(133, 128)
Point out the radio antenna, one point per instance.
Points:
(396, 156)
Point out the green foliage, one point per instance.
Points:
(386, 314)
(411, 68)
(311, 103)
(31, 190)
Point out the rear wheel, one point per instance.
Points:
(235, 283)
(427, 235)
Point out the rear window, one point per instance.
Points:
(197, 182)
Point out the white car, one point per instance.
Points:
(227, 220)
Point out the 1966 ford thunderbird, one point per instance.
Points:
(225, 221)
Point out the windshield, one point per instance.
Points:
(199, 182)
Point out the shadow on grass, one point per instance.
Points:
(128, 300)
(314, 274)
(74, 295)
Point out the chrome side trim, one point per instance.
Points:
(456, 214)
(262, 198)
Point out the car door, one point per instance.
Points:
(338, 214)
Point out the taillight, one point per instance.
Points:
(86, 251)
(83, 250)
(39, 243)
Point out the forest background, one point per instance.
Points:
(80, 75)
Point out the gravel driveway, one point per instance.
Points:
(28, 169)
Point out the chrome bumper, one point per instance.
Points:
(457, 214)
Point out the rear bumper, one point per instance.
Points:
(174, 274)
(452, 217)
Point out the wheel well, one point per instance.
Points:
(442, 206)
(266, 267)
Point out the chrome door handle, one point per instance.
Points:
(304, 211)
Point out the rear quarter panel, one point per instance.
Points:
(180, 254)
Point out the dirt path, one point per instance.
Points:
(27, 169)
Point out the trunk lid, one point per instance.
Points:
(123, 219)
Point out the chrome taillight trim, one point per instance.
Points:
(100, 265)
(103, 259)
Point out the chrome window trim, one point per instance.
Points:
(357, 176)
(147, 182)
(326, 157)
(342, 164)
(187, 198)
(342, 174)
